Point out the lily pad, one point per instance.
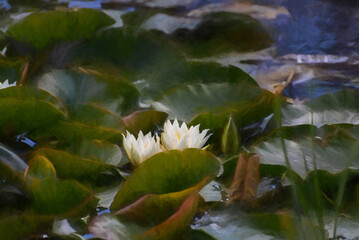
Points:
(101, 151)
(249, 118)
(25, 224)
(41, 29)
(76, 89)
(167, 172)
(71, 166)
(332, 108)
(185, 102)
(75, 131)
(223, 32)
(61, 197)
(11, 69)
(25, 115)
(41, 167)
(144, 120)
(178, 223)
(30, 93)
(333, 156)
(94, 115)
(155, 208)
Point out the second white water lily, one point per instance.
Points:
(142, 148)
(6, 84)
(176, 137)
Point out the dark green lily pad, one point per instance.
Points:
(41, 29)
(168, 172)
(243, 114)
(94, 115)
(24, 115)
(223, 32)
(153, 209)
(11, 69)
(25, 224)
(75, 131)
(144, 120)
(41, 167)
(31, 93)
(73, 167)
(178, 223)
(61, 197)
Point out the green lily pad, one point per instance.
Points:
(333, 156)
(242, 114)
(25, 224)
(153, 209)
(94, 115)
(76, 89)
(40, 29)
(332, 108)
(11, 69)
(73, 167)
(61, 197)
(191, 72)
(41, 167)
(26, 108)
(223, 32)
(25, 115)
(144, 120)
(178, 223)
(185, 102)
(30, 93)
(101, 151)
(167, 172)
(75, 131)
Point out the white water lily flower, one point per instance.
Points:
(6, 84)
(175, 137)
(142, 148)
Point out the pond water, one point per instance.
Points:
(317, 40)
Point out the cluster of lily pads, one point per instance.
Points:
(272, 168)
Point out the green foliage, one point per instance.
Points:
(185, 102)
(41, 29)
(167, 172)
(71, 166)
(84, 85)
(221, 33)
(61, 197)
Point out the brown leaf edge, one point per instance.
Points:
(175, 226)
(245, 181)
